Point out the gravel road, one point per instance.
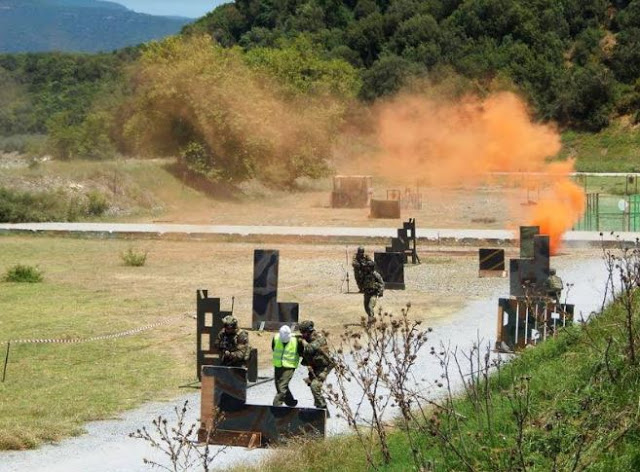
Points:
(107, 448)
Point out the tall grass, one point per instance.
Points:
(615, 149)
(49, 205)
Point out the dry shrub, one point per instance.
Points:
(190, 90)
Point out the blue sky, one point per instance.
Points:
(188, 8)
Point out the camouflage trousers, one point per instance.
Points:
(282, 376)
(370, 301)
(317, 378)
(554, 295)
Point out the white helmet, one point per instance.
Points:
(285, 334)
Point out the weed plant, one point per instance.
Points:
(21, 273)
(134, 258)
(178, 443)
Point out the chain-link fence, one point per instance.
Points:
(610, 213)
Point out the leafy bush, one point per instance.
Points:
(134, 258)
(197, 159)
(22, 207)
(23, 143)
(49, 205)
(97, 203)
(23, 274)
(88, 139)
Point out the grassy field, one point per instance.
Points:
(52, 389)
(87, 291)
(615, 149)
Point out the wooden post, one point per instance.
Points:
(6, 361)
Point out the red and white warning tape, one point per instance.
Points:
(94, 338)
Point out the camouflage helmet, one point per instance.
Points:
(229, 322)
(306, 326)
(552, 272)
(360, 250)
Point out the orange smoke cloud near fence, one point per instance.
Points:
(462, 143)
(558, 212)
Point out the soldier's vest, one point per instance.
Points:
(320, 358)
(555, 283)
(285, 355)
(227, 342)
(370, 281)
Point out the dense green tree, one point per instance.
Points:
(366, 36)
(89, 139)
(540, 46)
(225, 24)
(585, 97)
(417, 39)
(387, 76)
(55, 83)
(300, 66)
(576, 61)
(626, 55)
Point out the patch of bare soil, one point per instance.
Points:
(146, 191)
(494, 208)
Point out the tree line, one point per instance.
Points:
(577, 61)
(303, 63)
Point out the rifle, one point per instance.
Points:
(311, 376)
(225, 345)
(345, 272)
(346, 253)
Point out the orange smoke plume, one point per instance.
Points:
(463, 143)
(459, 143)
(559, 211)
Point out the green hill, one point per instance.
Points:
(578, 61)
(77, 26)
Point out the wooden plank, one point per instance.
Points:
(225, 437)
(492, 273)
(207, 406)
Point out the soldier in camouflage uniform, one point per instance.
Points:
(233, 346)
(318, 360)
(359, 264)
(373, 286)
(553, 286)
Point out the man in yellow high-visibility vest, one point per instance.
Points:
(287, 350)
